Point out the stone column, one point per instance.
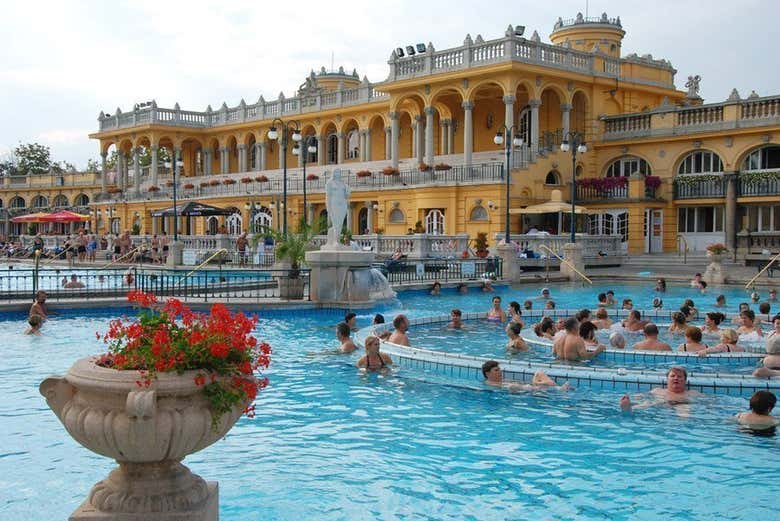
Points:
(242, 162)
(208, 159)
(450, 136)
(362, 141)
(368, 144)
(388, 143)
(136, 171)
(224, 167)
(341, 148)
(394, 117)
(429, 112)
(535, 104)
(348, 221)
(103, 170)
(301, 151)
(731, 178)
(120, 170)
(263, 157)
(256, 162)
(153, 166)
(468, 107)
(320, 151)
(420, 139)
(565, 118)
(370, 217)
(443, 124)
(509, 120)
(414, 139)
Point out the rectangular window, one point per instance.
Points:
(752, 213)
(765, 219)
(691, 226)
(681, 219)
(776, 218)
(706, 219)
(718, 218)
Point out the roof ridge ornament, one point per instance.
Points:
(753, 95)
(734, 96)
(468, 40)
(535, 37)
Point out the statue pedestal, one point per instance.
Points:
(572, 252)
(174, 254)
(333, 278)
(509, 266)
(715, 274)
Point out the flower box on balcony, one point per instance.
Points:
(214, 182)
(153, 188)
(204, 184)
(169, 183)
(261, 179)
(189, 186)
(442, 166)
(363, 173)
(652, 182)
(424, 167)
(246, 180)
(389, 170)
(229, 182)
(114, 190)
(312, 177)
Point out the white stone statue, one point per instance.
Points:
(336, 203)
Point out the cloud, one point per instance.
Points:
(63, 136)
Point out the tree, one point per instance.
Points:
(33, 159)
(92, 166)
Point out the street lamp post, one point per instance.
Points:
(309, 144)
(576, 142)
(505, 137)
(273, 134)
(174, 165)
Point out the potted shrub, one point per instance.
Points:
(172, 383)
(481, 245)
(423, 167)
(114, 190)
(214, 182)
(169, 183)
(418, 227)
(290, 248)
(363, 173)
(652, 182)
(189, 186)
(312, 177)
(153, 188)
(442, 166)
(261, 179)
(716, 251)
(389, 170)
(229, 182)
(204, 184)
(246, 180)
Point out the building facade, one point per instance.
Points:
(662, 169)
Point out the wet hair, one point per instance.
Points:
(456, 312)
(379, 318)
(651, 329)
(495, 298)
(749, 314)
(514, 327)
(610, 292)
(349, 316)
(720, 298)
(703, 284)
(602, 297)
(528, 304)
(636, 314)
(694, 333)
(688, 302)
(627, 302)
(602, 313)
(762, 402)
(716, 317)
(516, 307)
(437, 283)
(686, 311)
(487, 366)
(678, 369)
(588, 330)
(697, 275)
(743, 306)
(40, 293)
(398, 320)
(35, 320)
(571, 324)
(550, 304)
(662, 282)
(546, 324)
(343, 329)
(776, 317)
(730, 335)
(658, 303)
(764, 308)
(582, 315)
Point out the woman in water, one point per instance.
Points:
(588, 333)
(692, 342)
(678, 324)
(436, 289)
(374, 360)
(496, 314)
(749, 331)
(515, 314)
(692, 311)
(516, 342)
(711, 322)
(728, 344)
(545, 328)
(776, 324)
(660, 285)
(759, 417)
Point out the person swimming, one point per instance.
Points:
(343, 335)
(374, 360)
(759, 417)
(494, 376)
(749, 331)
(516, 342)
(675, 392)
(496, 314)
(455, 319)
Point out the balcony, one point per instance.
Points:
(732, 114)
(692, 186)
(62, 180)
(609, 189)
(759, 182)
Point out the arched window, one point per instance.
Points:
(212, 225)
(115, 225)
(700, 162)
(397, 216)
(762, 159)
(40, 201)
(60, 201)
(625, 166)
(353, 145)
(234, 224)
(434, 222)
(18, 202)
(553, 178)
(478, 213)
(333, 149)
(262, 220)
(524, 125)
(81, 200)
(312, 157)
(322, 222)
(363, 221)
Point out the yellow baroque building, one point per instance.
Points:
(662, 169)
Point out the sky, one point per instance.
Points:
(62, 62)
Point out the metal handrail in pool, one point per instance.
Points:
(199, 266)
(753, 280)
(569, 264)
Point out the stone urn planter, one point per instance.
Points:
(291, 289)
(148, 431)
(715, 273)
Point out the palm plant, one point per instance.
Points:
(291, 247)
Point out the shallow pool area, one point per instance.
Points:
(330, 441)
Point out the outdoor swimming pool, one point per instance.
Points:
(331, 442)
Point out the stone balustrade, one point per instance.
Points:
(731, 114)
(417, 246)
(592, 244)
(52, 180)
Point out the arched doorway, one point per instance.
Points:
(362, 227)
(434, 222)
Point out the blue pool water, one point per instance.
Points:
(332, 443)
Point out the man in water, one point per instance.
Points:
(39, 305)
(674, 393)
(401, 325)
(634, 321)
(651, 342)
(570, 346)
(456, 322)
(342, 333)
(495, 377)
(74, 283)
(350, 319)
